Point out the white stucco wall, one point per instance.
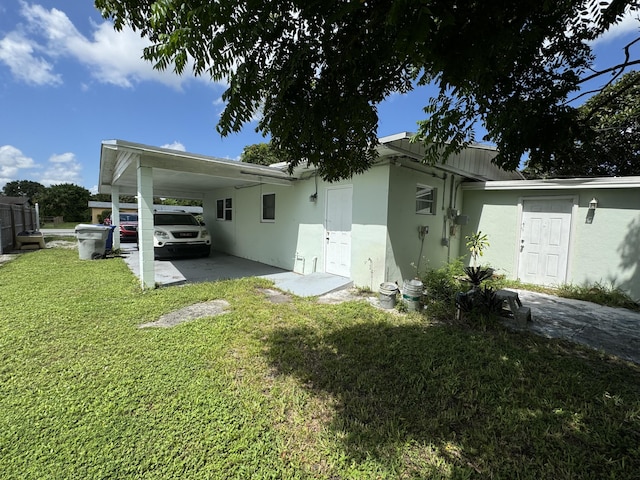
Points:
(385, 245)
(496, 215)
(405, 249)
(296, 232)
(606, 250)
(296, 240)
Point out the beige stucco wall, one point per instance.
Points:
(606, 250)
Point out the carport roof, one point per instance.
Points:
(178, 174)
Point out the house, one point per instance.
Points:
(398, 218)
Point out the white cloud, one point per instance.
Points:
(12, 160)
(63, 168)
(18, 53)
(629, 24)
(175, 146)
(112, 57)
(31, 51)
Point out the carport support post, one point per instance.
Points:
(115, 216)
(145, 226)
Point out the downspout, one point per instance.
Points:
(448, 217)
(455, 202)
(445, 240)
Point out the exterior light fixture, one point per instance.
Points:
(593, 204)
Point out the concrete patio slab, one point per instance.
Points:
(219, 266)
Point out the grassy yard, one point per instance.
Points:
(288, 390)
(65, 225)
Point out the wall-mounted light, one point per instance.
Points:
(313, 197)
(593, 204)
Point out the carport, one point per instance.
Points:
(144, 171)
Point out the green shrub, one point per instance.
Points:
(442, 285)
(599, 293)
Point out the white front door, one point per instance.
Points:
(338, 231)
(544, 241)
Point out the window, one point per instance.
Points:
(224, 209)
(425, 200)
(268, 207)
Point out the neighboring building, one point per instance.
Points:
(399, 217)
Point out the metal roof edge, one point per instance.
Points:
(556, 184)
(395, 137)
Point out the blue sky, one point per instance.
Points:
(68, 81)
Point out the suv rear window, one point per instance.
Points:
(128, 217)
(171, 219)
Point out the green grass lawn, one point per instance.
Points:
(293, 390)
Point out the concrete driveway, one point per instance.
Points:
(612, 330)
(220, 266)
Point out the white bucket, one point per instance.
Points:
(387, 295)
(411, 294)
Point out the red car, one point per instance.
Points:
(129, 227)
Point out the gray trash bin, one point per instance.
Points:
(92, 241)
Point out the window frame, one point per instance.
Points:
(425, 206)
(263, 219)
(224, 209)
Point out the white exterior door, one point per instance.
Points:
(338, 231)
(544, 241)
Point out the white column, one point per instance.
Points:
(115, 216)
(145, 226)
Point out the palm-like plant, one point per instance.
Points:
(476, 244)
(477, 275)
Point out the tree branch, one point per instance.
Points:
(610, 69)
(621, 66)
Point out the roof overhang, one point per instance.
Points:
(557, 184)
(178, 174)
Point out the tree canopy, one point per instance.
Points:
(24, 188)
(317, 70)
(262, 154)
(67, 200)
(608, 143)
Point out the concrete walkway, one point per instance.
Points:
(612, 330)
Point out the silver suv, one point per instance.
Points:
(178, 234)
